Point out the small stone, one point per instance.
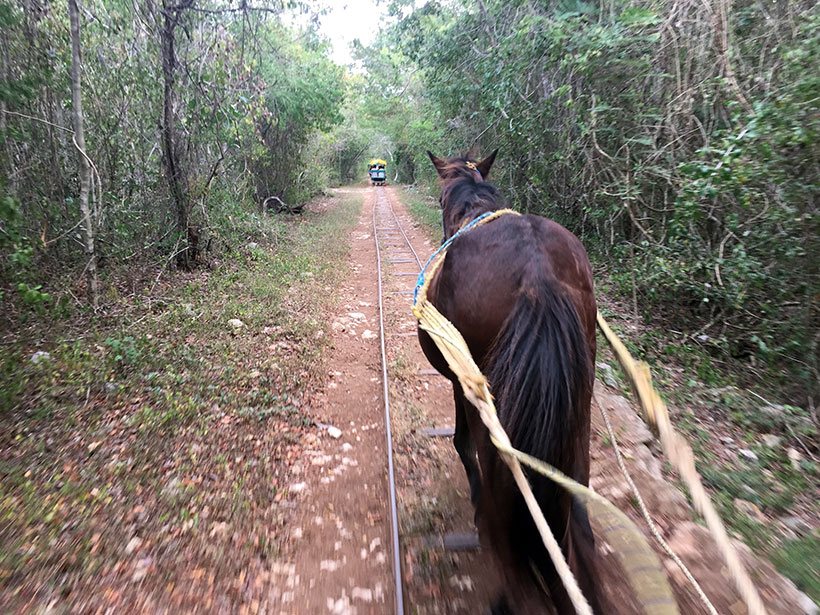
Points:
(362, 593)
(133, 545)
(93, 447)
(795, 457)
(41, 356)
(141, 570)
(807, 604)
(771, 440)
(750, 509)
(608, 375)
(172, 489)
(297, 533)
(748, 454)
(329, 565)
(357, 316)
(797, 525)
(252, 245)
(462, 582)
(334, 432)
(297, 487)
(235, 324)
(367, 334)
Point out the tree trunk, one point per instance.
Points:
(174, 169)
(85, 166)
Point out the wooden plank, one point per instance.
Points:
(454, 541)
(438, 432)
(427, 371)
(461, 541)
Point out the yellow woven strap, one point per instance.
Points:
(680, 454)
(640, 563)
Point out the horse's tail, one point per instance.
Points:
(541, 373)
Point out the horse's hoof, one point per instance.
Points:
(501, 607)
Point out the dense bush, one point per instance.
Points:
(677, 138)
(238, 99)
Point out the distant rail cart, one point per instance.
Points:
(377, 169)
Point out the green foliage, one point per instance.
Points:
(33, 296)
(307, 99)
(692, 173)
(251, 96)
(424, 210)
(800, 561)
(124, 351)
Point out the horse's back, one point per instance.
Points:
(487, 269)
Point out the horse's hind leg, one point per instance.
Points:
(501, 607)
(465, 446)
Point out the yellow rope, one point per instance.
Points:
(653, 589)
(682, 458)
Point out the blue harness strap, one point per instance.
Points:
(444, 246)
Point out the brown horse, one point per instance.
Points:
(519, 289)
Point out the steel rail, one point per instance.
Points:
(391, 477)
(403, 234)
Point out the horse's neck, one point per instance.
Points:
(458, 216)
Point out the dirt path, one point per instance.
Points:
(340, 538)
(339, 554)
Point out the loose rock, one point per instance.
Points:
(751, 509)
(133, 545)
(748, 454)
(795, 457)
(608, 375)
(40, 356)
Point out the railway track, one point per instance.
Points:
(386, 228)
(431, 489)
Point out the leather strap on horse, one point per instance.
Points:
(680, 454)
(642, 567)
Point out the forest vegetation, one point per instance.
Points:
(159, 139)
(676, 138)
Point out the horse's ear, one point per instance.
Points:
(437, 162)
(484, 166)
